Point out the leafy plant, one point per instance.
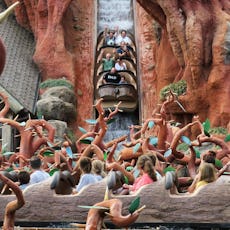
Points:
(87, 140)
(197, 153)
(110, 121)
(49, 83)
(207, 127)
(52, 171)
(218, 163)
(218, 130)
(169, 169)
(179, 88)
(134, 205)
(182, 147)
(227, 138)
(48, 153)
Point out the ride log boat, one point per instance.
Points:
(209, 204)
(126, 93)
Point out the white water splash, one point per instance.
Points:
(115, 13)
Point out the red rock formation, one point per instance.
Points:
(193, 47)
(190, 43)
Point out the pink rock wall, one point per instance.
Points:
(193, 47)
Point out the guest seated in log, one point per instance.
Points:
(154, 161)
(110, 36)
(38, 174)
(108, 62)
(206, 174)
(111, 77)
(23, 179)
(98, 168)
(122, 37)
(147, 175)
(210, 157)
(87, 177)
(120, 65)
(123, 80)
(123, 51)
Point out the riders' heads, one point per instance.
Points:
(108, 56)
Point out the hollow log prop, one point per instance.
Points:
(13, 206)
(158, 201)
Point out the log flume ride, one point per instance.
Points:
(44, 202)
(113, 93)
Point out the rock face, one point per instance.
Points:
(176, 40)
(58, 103)
(192, 45)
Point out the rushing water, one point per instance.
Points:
(120, 126)
(113, 13)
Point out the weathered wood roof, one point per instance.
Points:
(20, 76)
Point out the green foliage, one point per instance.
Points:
(87, 140)
(197, 153)
(218, 163)
(183, 147)
(110, 121)
(105, 156)
(169, 169)
(134, 205)
(48, 153)
(227, 138)
(126, 180)
(49, 83)
(179, 88)
(52, 171)
(207, 127)
(218, 130)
